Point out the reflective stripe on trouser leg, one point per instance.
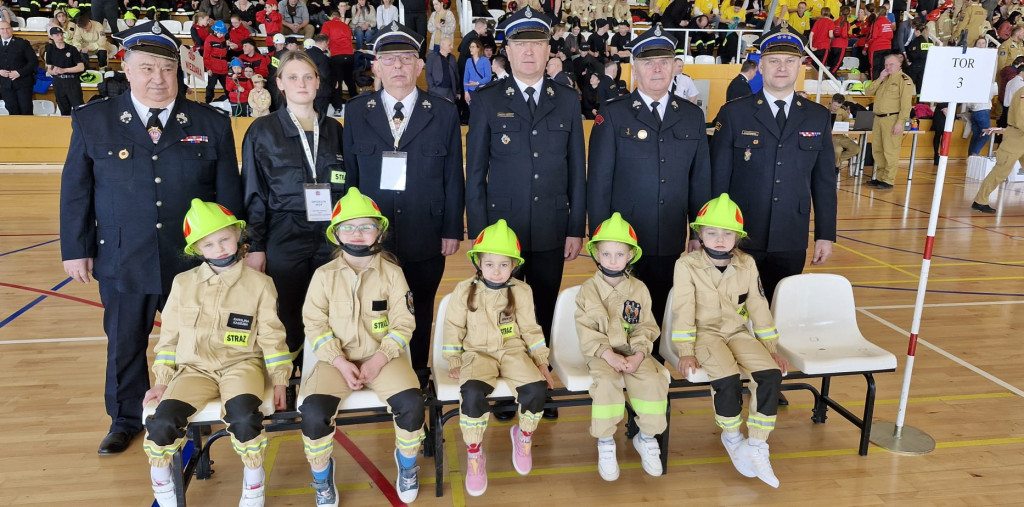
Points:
(726, 397)
(531, 404)
(609, 405)
(160, 455)
(252, 451)
(648, 394)
(1010, 151)
(473, 428)
(764, 402)
(408, 442)
(318, 451)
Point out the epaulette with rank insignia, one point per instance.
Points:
(492, 84)
(436, 96)
(92, 102)
(552, 81)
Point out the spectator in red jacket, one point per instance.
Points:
(253, 59)
(200, 30)
(879, 42)
(821, 35)
(840, 39)
(270, 19)
(236, 34)
(239, 83)
(342, 58)
(215, 59)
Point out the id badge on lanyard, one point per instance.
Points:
(393, 164)
(317, 195)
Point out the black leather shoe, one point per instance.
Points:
(115, 442)
(881, 185)
(871, 183)
(984, 208)
(551, 413)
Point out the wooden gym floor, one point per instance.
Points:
(966, 390)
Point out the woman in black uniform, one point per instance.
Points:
(288, 204)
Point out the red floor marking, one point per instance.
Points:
(979, 227)
(59, 295)
(378, 478)
(52, 293)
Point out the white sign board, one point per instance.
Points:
(191, 62)
(954, 76)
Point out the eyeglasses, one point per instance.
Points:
(390, 60)
(349, 230)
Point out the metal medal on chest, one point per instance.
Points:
(123, 154)
(746, 155)
(641, 135)
(505, 139)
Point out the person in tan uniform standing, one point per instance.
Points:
(717, 290)
(617, 332)
(1010, 49)
(894, 94)
(219, 338)
(491, 332)
(1011, 150)
(358, 321)
(845, 147)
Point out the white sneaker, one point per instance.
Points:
(164, 494)
(650, 454)
(607, 465)
(757, 456)
(742, 465)
(252, 496)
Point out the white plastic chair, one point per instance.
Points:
(749, 38)
(43, 108)
(3, 109)
(261, 31)
(36, 24)
(186, 27)
(850, 62)
(20, 22)
(817, 321)
(121, 25)
(172, 24)
(687, 59)
(704, 60)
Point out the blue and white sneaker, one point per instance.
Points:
(326, 491)
(408, 483)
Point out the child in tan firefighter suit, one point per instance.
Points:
(617, 332)
(219, 338)
(358, 320)
(491, 332)
(717, 289)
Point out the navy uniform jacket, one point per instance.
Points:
(738, 87)
(432, 206)
(657, 177)
(531, 172)
(774, 177)
(123, 199)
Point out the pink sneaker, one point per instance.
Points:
(476, 475)
(522, 460)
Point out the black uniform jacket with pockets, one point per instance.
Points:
(775, 176)
(432, 205)
(123, 199)
(528, 169)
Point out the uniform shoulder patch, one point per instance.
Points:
(433, 95)
(492, 84)
(92, 103)
(598, 119)
(563, 85)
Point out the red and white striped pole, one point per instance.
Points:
(898, 437)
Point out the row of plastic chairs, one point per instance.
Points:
(39, 108)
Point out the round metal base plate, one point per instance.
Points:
(912, 441)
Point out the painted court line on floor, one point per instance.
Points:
(940, 305)
(947, 355)
(64, 340)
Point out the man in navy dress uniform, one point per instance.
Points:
(649, 161)
(135, 163)
(403, 146)
(525, 160)
(772, 152)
